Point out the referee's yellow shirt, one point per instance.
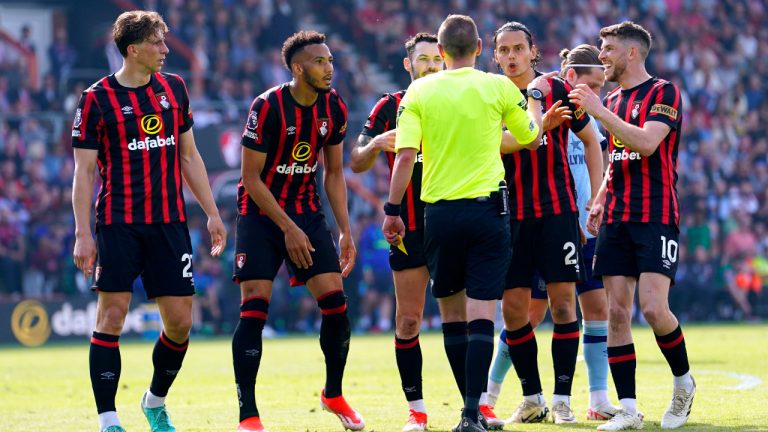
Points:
(455, 117)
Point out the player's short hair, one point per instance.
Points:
(513, 26)
(583, 54)
(629, 31)
(458, 36)
(410, 44)
(297, 41)
(136, 27)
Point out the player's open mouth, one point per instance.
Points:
(512, 67)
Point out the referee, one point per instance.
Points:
(455, 117)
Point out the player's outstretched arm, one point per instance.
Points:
(193, 171)
(336, 188)
(643, 140)
(84, 253)
(364, 155)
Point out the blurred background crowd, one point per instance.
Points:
(229, 52)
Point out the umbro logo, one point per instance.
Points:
(252, 352)
(108, 376)
(290, 130)
(127, 109)
(171, 372)
(563, 378)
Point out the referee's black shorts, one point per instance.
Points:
(466, 245)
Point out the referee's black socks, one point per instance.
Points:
(479, 356)
(455, 343)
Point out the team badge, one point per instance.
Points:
(240, 260)
(322, 126)
(78, 118)
(97, 274)
(253, 120)
(636, 111)
(162, 98)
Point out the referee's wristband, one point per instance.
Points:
(391, 209)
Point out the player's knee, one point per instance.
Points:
(619, 317)
(178, 327)
(513, 311)
(408, 326)
(562, 311)
(111, 319)
(654, 313)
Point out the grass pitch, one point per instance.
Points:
(48, 388)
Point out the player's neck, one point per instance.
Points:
(132, 77)
(633, 78)
(522, 81)
(302, 93)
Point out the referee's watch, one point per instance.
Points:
(536, 94)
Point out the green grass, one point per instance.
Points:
(48, 388)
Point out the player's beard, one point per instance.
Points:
(315, 83)
(617, 70)
(424, 73)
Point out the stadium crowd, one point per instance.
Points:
(715, 51)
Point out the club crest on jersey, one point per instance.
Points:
(240, 260)
(162, 98)
(78, 118)
(322, 126)
(97, 274)
(253, 120)
(636, 110)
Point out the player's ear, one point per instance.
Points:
(407, 64)
(479, 47)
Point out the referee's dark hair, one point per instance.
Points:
(583, 54)
(629, 31)
(514, 26)
(297, 41)
(458, 36)
(135, 27)
(410, 44)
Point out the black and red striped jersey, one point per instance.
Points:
(640, 188)
(540, 182)
(292, 136)
(136, 132)
(383, 117)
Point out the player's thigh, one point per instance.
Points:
(557, 250)
(119, 258)
(111, 310)
(488, 255)
(325, 259)
(259, 250)
(653, 291)
(614, 252)
(445, 247)
(410, 290)
(167, 260)
(414, 246)
(656, 248)
(522, 267)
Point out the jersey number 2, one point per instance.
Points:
(186, 273)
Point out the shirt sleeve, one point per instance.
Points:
(666, 107)
(515, 116)
(254, 131)
(85, 128)
(379, 120)
(186, 113)
(409, 132)
(340, 122)
(580, 117)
